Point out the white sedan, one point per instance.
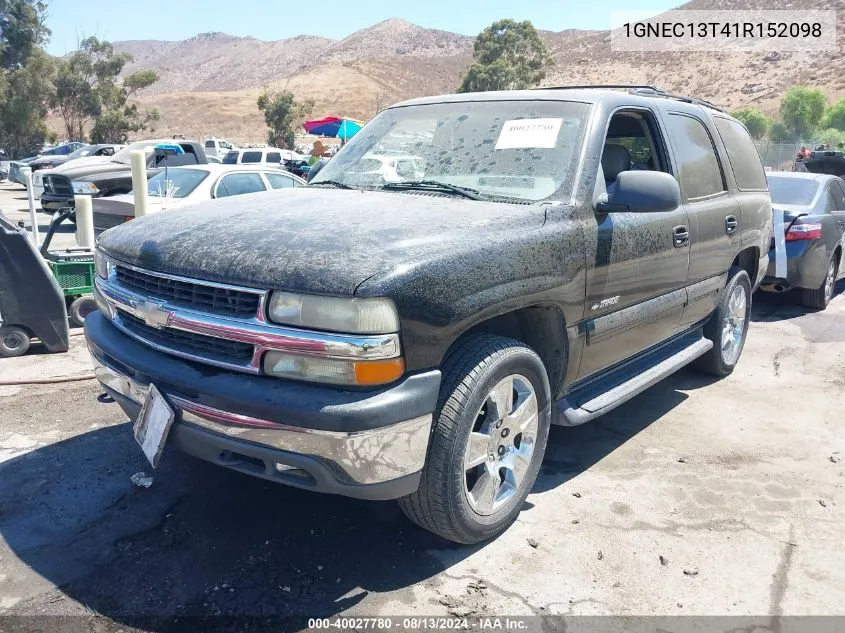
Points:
(180, 186)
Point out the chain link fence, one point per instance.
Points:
(778, 156)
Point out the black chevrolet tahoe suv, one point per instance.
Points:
(412, 337)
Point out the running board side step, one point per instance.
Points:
(590, 402)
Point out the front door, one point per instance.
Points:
(637, 262)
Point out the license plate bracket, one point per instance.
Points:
(153, 425)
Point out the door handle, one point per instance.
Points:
(680, 235)
(731, 224)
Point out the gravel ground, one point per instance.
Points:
(700, 496)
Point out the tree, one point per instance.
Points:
(283, 115)
(834, 116)
(508, 55)
(831, 136)
(25, 77)
(22, 31)
(779, 133)
(801, 110)
(754, 121)
(88, 89)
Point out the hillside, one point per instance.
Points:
(209, 83)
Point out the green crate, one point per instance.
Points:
(75, 278)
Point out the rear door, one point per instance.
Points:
(837, 190)
(713, 212)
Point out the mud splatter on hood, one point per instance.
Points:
(309, 239)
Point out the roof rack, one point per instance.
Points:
(653, 91)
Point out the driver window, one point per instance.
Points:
(631, 144)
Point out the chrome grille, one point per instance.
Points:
(58, 185)
(197, 296)
(207, 347)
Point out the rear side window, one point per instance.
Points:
(231, 158)
(274, 157)
(280, 181)
(742, 155)
(701, 174)
(240, 183)
(251, 157)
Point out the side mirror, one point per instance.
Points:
(642, 192)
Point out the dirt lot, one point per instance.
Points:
(698, 497)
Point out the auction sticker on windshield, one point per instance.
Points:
(153, 424)
(529, 133)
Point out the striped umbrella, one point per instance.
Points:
(333, 126)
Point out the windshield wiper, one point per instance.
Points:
(428, 185)
(336, 183)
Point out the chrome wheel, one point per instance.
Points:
(733, 325)
(501, 445)
(829, 281)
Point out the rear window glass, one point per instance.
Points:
(231, 158)
(742, 155)
(209, 143)
(798, 191)
(251, 157)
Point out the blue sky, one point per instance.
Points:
(71, 20)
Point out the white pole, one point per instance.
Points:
(84, 221)
(33, 220)
(139, 181)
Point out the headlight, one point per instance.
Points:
(84, 187)
(353, 316)
(102, 264)
(362, 373)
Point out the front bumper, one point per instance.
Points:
(52, 202)
(363, 444)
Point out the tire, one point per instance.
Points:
(14, 341)
(821, 296)
(450, 500)
(80, 308)
(716, 361)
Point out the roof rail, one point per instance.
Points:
(652, 91)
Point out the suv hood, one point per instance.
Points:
(310, 239)
(76, 169)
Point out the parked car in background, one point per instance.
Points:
(415, 339)
(191, 185)
(115, 176)
(15, 173)
(5, 163)
(217, 147)
(829, 162)
(255, 155)
(85, 155)
(49, 162)
(813, 210)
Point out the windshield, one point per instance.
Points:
(82, 151)
(182, 181)
(797, 191)
(523, 150)
(124, 155)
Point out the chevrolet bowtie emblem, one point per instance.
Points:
(153, 314)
